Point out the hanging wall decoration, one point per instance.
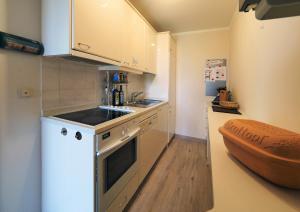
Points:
(215, 75)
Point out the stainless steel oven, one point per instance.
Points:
(117, 162)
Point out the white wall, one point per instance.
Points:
(192, 52)
(20, 160)
(265, 68)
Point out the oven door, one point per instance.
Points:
(116, 165)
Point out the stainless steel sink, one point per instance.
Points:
(144, 103)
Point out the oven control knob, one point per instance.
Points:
(64, 131)
(78, 136)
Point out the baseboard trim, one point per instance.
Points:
(189, 138)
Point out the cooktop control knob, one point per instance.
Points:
(78, 136)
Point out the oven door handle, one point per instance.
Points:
(107, 151)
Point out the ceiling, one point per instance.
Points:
(186, 15)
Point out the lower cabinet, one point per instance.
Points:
(153, 139)
(147, 146)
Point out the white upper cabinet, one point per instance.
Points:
(97, 27)
(126, 36)
(108, 31)
(137, 33)
(150, 51)
(133, 40)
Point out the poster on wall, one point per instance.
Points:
(215, 75)
(215, 69)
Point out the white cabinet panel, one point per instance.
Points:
(163, 84)
(153, 51)
(126, 36)
(137, 41)
(150, 50)
(133, 40)
(172, 89)
(97, 27)
(147, 149)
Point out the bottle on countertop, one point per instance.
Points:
(115, 97)
(121, 94)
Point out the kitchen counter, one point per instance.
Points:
(236, 188)
(137, 112)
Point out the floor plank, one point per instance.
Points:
(181, 180)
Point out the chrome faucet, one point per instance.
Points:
(134, 95)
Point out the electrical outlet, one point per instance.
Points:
(25, 92)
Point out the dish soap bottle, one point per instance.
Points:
(121, 94)
(115, 97)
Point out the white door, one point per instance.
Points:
(97, 27)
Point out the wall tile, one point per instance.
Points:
(69, 84)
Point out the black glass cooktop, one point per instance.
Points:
(93, 117)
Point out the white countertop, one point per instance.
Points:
(236, 188)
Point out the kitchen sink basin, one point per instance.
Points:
(144, 103)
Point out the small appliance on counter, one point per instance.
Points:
(223, 104)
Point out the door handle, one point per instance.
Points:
(124, 139)
(84, 46)
(105, 152)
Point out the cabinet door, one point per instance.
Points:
(147, 48)
(147, 150)
(163, 115)
(127, 40)
(137, 33)
(133, 39)
(153, 51)
(97, 27)
(150, 50)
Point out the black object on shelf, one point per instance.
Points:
(216, 100)
(224, 110)
(17, 43)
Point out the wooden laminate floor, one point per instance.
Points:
(181, 181)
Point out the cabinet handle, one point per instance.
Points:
(84, 46)
(134, 61)
(126, 63)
